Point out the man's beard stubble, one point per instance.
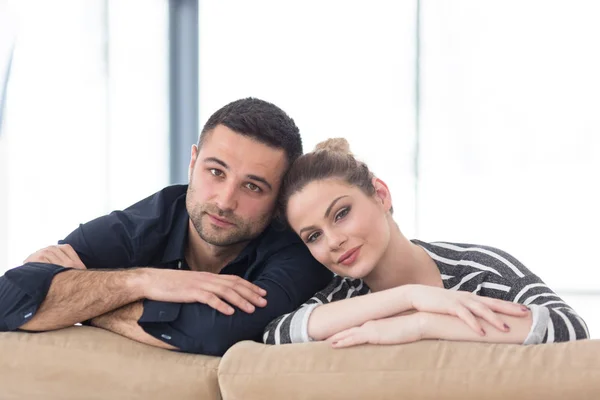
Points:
(241, 231)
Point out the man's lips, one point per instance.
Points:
(219, 221)
(350, 256)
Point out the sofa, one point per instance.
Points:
(83, 362)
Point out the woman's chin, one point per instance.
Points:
(354, 272)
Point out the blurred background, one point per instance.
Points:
(483, 116)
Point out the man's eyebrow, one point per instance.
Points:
(251, 177)
(216, 160)
(326, 214)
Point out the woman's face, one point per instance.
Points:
(345, 229)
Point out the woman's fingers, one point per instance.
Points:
(506, 307)
(341, 335)
(468, 318)
(484, 312)
(348, 338)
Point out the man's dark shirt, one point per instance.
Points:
(153, 233)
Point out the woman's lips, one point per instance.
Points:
(350, 256)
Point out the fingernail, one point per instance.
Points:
(263, 292)
(230, 310)
(524, 308)
(250, 307)
(334, 343)
(506, 328)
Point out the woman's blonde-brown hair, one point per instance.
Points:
(330, 159)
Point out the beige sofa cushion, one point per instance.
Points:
(422, 370)
(90, 363)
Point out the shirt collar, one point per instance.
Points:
(176, 242)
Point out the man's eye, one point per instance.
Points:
(312, 237)
(216, 172)
(254, 188)
(343, 212)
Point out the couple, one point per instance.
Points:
(202, 266)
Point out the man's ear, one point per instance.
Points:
(193, 158)
(382, 193)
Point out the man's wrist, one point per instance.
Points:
(136, 282)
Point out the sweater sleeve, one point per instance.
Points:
(553, 319)
(293, 327)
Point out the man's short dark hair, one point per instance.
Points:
(261, 121)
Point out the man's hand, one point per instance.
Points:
(202, 287)
(62, 254)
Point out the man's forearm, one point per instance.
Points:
(78, 295)
(124, 321)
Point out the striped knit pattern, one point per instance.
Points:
(482, 270)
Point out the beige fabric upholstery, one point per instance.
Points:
(422, 370)
(90, 363)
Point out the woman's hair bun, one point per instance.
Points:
(335, 145)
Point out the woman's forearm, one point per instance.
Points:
(447, 327)
(331, 318)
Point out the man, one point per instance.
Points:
(195, 268)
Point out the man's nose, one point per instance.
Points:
(227, 197)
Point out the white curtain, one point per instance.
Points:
(86, 117)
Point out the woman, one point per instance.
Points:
(389, 290)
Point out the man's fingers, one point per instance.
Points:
(250, 295)
(228, 294)
(72, 255)
(63, 255)
(216, 303)
(240, 281)
(43, 257)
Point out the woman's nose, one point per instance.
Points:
(336, 240)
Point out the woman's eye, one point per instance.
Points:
(343, 212)
(216, 172)
(252, 187)
(312, 237)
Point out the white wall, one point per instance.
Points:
(339, 68)
(509, 122)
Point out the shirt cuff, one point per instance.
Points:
(24, 291)
(156, 320)
(159, 311)
(540, 317)
(299, 324)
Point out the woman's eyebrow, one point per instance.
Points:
(327, 212)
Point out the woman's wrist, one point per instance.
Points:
(423, 321)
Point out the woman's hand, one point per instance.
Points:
(394, 330)
(464, 305)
